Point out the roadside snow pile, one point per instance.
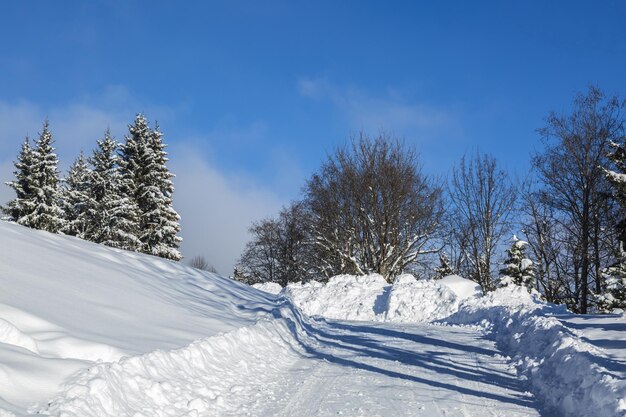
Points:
(210, 377)
(416, 301)
(269, 287)
(344, 297)
(463, 288)
(565, 372)
(371, 298)
(66, 304)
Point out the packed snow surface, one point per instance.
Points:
(87, 330)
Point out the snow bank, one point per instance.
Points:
(414, 301)
(371, 298)
(209, 377)
(269, 287)
(345, 297)
(463, 288)
(66, 304)
(565, 372)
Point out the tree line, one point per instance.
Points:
(370, 208)
(120, 196)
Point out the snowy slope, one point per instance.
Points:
(65, 303)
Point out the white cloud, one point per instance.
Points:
(370, 112)
(217, 209)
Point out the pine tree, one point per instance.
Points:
(75, 199)
(47, 214)
(617, 178)
(444, 269)
(146, 179)
(518, 269)
(114, 214)
(614, 296)
(37, 186)
(161, 221)
(23, 185)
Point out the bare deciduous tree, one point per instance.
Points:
(544, 236)
(372, 208)
(482, 199)
(574, 184)
(200, 262)
(278, 251)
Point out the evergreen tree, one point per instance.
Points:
(161, 221)
(614, 296)
(75, 199)
(112, 212)
(37, 186)
(147, 180)
(445, 268)
(518, 269)
(23, 185)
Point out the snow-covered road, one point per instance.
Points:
(367, 369)
(287, 367)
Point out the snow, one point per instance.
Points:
(416, 301)
(371, 298)
(345, 297)
(66, 303)
(87, 330)
(567, 373)
(269, 287)
(463, 288)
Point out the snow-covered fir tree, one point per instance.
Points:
(617, 178)
(75, 199)
(162, 237)
(37, 186)
(114, 214)
(445, 268)
(614, 295)
(147, 180)
(23, 185)
(518, 268)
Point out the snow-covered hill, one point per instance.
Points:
(67, 303)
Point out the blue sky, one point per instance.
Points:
(251, 95)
